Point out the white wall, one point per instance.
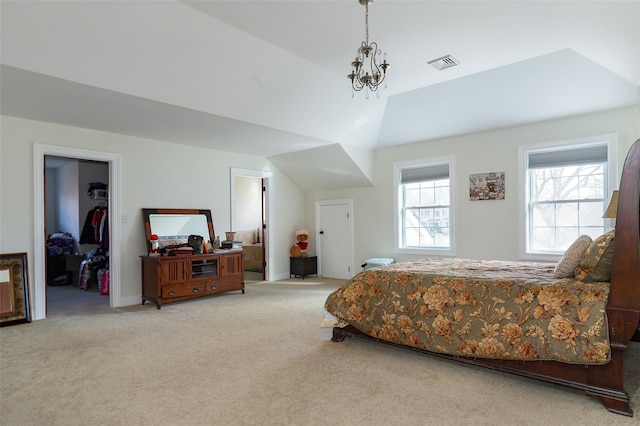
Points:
(484, 229)
(67, 202)
(248, 200)
(163, 175)
(154, 175)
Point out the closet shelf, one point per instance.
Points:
(100, 194)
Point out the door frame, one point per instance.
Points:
(321, 203)
(115, 249)
(266, 178)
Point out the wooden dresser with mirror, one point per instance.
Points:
(167, 278)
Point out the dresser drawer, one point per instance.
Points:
(221, 286)
(184, 290)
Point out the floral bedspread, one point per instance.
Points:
(474, 308)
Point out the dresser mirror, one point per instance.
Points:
(173, 226)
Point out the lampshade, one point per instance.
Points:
(612, 210)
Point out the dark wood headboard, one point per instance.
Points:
(623, 308)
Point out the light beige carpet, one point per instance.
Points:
(255, 359)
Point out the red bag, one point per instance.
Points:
(104, 284)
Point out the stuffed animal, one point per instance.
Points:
(299, 249)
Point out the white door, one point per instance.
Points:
(334, 238)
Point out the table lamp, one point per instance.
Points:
(612, 210)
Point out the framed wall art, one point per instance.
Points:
(14, 289)
(486, 186)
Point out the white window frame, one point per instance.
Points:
(430, 251)
(611, 175)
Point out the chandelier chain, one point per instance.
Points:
(366, 21)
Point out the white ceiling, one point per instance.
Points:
(269, 78)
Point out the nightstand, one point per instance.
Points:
(303, 266)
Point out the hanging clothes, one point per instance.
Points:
(104, 233)
(96, 227)
(96, 222)
(88, 235)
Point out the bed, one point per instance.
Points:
(515, 317)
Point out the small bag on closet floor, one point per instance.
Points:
(104, 283)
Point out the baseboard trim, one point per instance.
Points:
(128, 301)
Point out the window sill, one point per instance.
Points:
(540, 257)
(426, 251)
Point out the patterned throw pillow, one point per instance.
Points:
(597, 261)
(571, 258)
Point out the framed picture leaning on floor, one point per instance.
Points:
(14, 289)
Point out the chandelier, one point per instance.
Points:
(367, 71)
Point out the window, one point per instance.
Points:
(566, 187)
(424, 216)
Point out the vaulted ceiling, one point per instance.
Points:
(268, 78)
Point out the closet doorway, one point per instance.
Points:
(40, 237)
(77, 231)
(249, 219)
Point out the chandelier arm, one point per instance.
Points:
(357, 84)
(375, 68)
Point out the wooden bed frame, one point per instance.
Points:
(605, 382)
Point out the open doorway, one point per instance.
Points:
(77, 234)
(40, 237)
(249, 218)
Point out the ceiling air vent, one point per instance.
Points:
(444, 62)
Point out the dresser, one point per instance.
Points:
(168, 279)
(253, 258)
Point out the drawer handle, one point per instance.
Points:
(213, 287)
(172, 292)
(196, 290)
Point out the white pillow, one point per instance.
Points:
(571, 258)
